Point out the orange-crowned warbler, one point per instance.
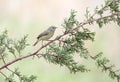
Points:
(46, 35)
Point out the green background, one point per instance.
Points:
(21, 17)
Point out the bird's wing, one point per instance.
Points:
(43, 34)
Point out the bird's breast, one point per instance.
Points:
(46, 37)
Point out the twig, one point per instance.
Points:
(101, 9)
(7, 67)
(108, 69)
(3, 74)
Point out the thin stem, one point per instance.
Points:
(3, 74)
(107, 68)
(7, 67)
(101, 9)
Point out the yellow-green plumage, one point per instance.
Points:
(46, 35)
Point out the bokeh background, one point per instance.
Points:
(21, 17)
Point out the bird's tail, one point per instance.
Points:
(35, 42)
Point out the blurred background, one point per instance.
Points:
(21, 17)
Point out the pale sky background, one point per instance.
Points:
(31, 17)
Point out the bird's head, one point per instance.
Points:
(53, 28)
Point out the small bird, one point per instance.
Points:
(46, 35)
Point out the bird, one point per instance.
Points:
(46, 35)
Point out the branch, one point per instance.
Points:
(57, 38)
